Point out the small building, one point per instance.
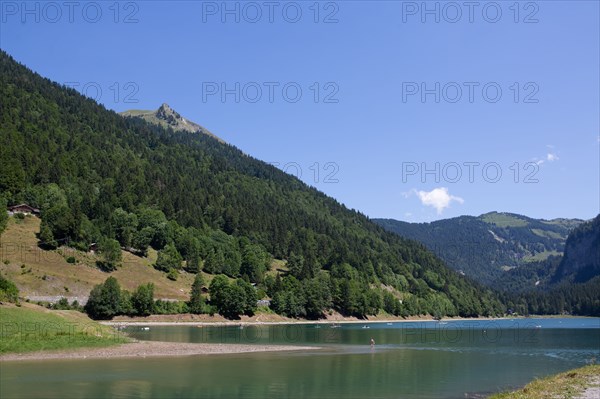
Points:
(24, 209)
(263, 302)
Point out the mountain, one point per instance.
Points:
(126, 184)
(493, 246)
(571, 283)
(167, 117)
(538, 266)
(578, 264)
(581, 260)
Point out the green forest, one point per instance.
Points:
(123, 183)
(481, 246)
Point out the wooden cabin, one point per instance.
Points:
(24, 209)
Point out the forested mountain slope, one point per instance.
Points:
(101, 178)
(486, 247)
(579, 264)
(568, 284)
(541, 279)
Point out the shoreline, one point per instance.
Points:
(150, 349)
(233, 323)
(579, 383)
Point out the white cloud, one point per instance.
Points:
(438, 198)
(550, 156)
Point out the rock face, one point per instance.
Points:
(581, 261)
(168, 117)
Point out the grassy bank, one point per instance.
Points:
(33, 328)
(566, 385)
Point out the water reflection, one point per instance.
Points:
(406, 362)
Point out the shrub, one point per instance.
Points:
(62, 304)
(172, 275)
(105, 300)
(110, 255)
(8, 290)
(142, 300)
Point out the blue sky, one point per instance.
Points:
(407, 110)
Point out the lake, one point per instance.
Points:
(454, 359)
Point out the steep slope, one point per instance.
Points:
(581, 260)
(47, 275)
(487, 247)
(97, 176)
(579, 264)
(573, 284)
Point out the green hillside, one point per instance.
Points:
(126, 184)
(541, 282)
(489, 246)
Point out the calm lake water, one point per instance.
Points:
(457, 359)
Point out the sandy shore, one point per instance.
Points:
(150, 349)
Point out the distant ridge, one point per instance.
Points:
(166, 116)
(488, 246)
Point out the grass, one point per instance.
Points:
(136, 112)
(566, 385)
(278, 266)
(503, 220)
(541, 256)
(29, 327)
(37, 272)
(567, 223)
(548, 234)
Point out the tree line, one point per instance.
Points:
(231, 299)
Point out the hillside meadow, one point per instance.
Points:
(38, 272)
